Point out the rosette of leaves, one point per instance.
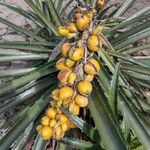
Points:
(119, 107)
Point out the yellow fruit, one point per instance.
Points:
(51, 113)
(100, 4)
(72, 78)
(71, 35)
(91, 13)
(62, 118)
(39, 127)
(72, 27)
(46, 132)
(52, 123)
(64, 127)
(59, 103)
(92, 67)
(60, 64)
(57, 132)
(77, 15)
(66, 102)
(63, 75)
(55, 94)
(81, 100)
(97, 30)
(89, 77)
(69, 63)
(74, 109)
(65, 48)
(53, 103)
(63, 31)
(70, 124)
(65, 93)
(83, 22)
(79, 44)
(45, 120)
(76, 54)
(94, 43)
(84, 87)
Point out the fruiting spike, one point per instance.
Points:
(65, 93)
(100, 4)
(63, 31)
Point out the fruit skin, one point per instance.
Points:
(51, 113)
(94, 43)
(39, 127)
(63, 31)
(92, 67)
(52, 123)
(77, 15)
(45, 120)
(71, 35)
(76, 54)
(83, 22)
(97, 30)
(100, 4)
(72, 78)
(55, 94)
(71, 124)
(69, 63)
(71, 27)
(64, 127)
(62, 118)
(82, 101)
(46, 132)
(74, 108)
(65, 48)
(63, 75)
(89, 77)
(60, 64)
(84, 87)
(57, 132)
(65, 93)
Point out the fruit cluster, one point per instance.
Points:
(77, 68)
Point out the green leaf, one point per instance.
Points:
(113, 102)
(125, 6)
(54, 13)
(127, 58)
(85, 127)
(22, 30)
(24, 57)
(24, 121)
(110, 135)
(42, 16)
(39, 143)
(79, 144)
(36, 74)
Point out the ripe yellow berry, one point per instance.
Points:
(45, 120)
(46, 132)
(92, 67)
(72, 78)
(62, 118)
(63, 31)
(97, 30)
(100, 4)
(69, 63)
(66, 102)
(65, 93)
(53, 103)
(52, 123)
(55, 94)
(74, 108)
(83, 22)
(51, 113)
(57, 132)
(77, 15)
(84, 87)
(89, 77)
(39, 127)
(64, 127)
(71, 35)
(76, 54)
(59, 103)
(71, 124)
(72, 27)
(60, 64)
(63, 75)
(94, 43)
(65, 48)
(91, 13)
(81, 100)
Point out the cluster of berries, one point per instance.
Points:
(77, 69)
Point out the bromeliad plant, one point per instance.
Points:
(96, 45)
